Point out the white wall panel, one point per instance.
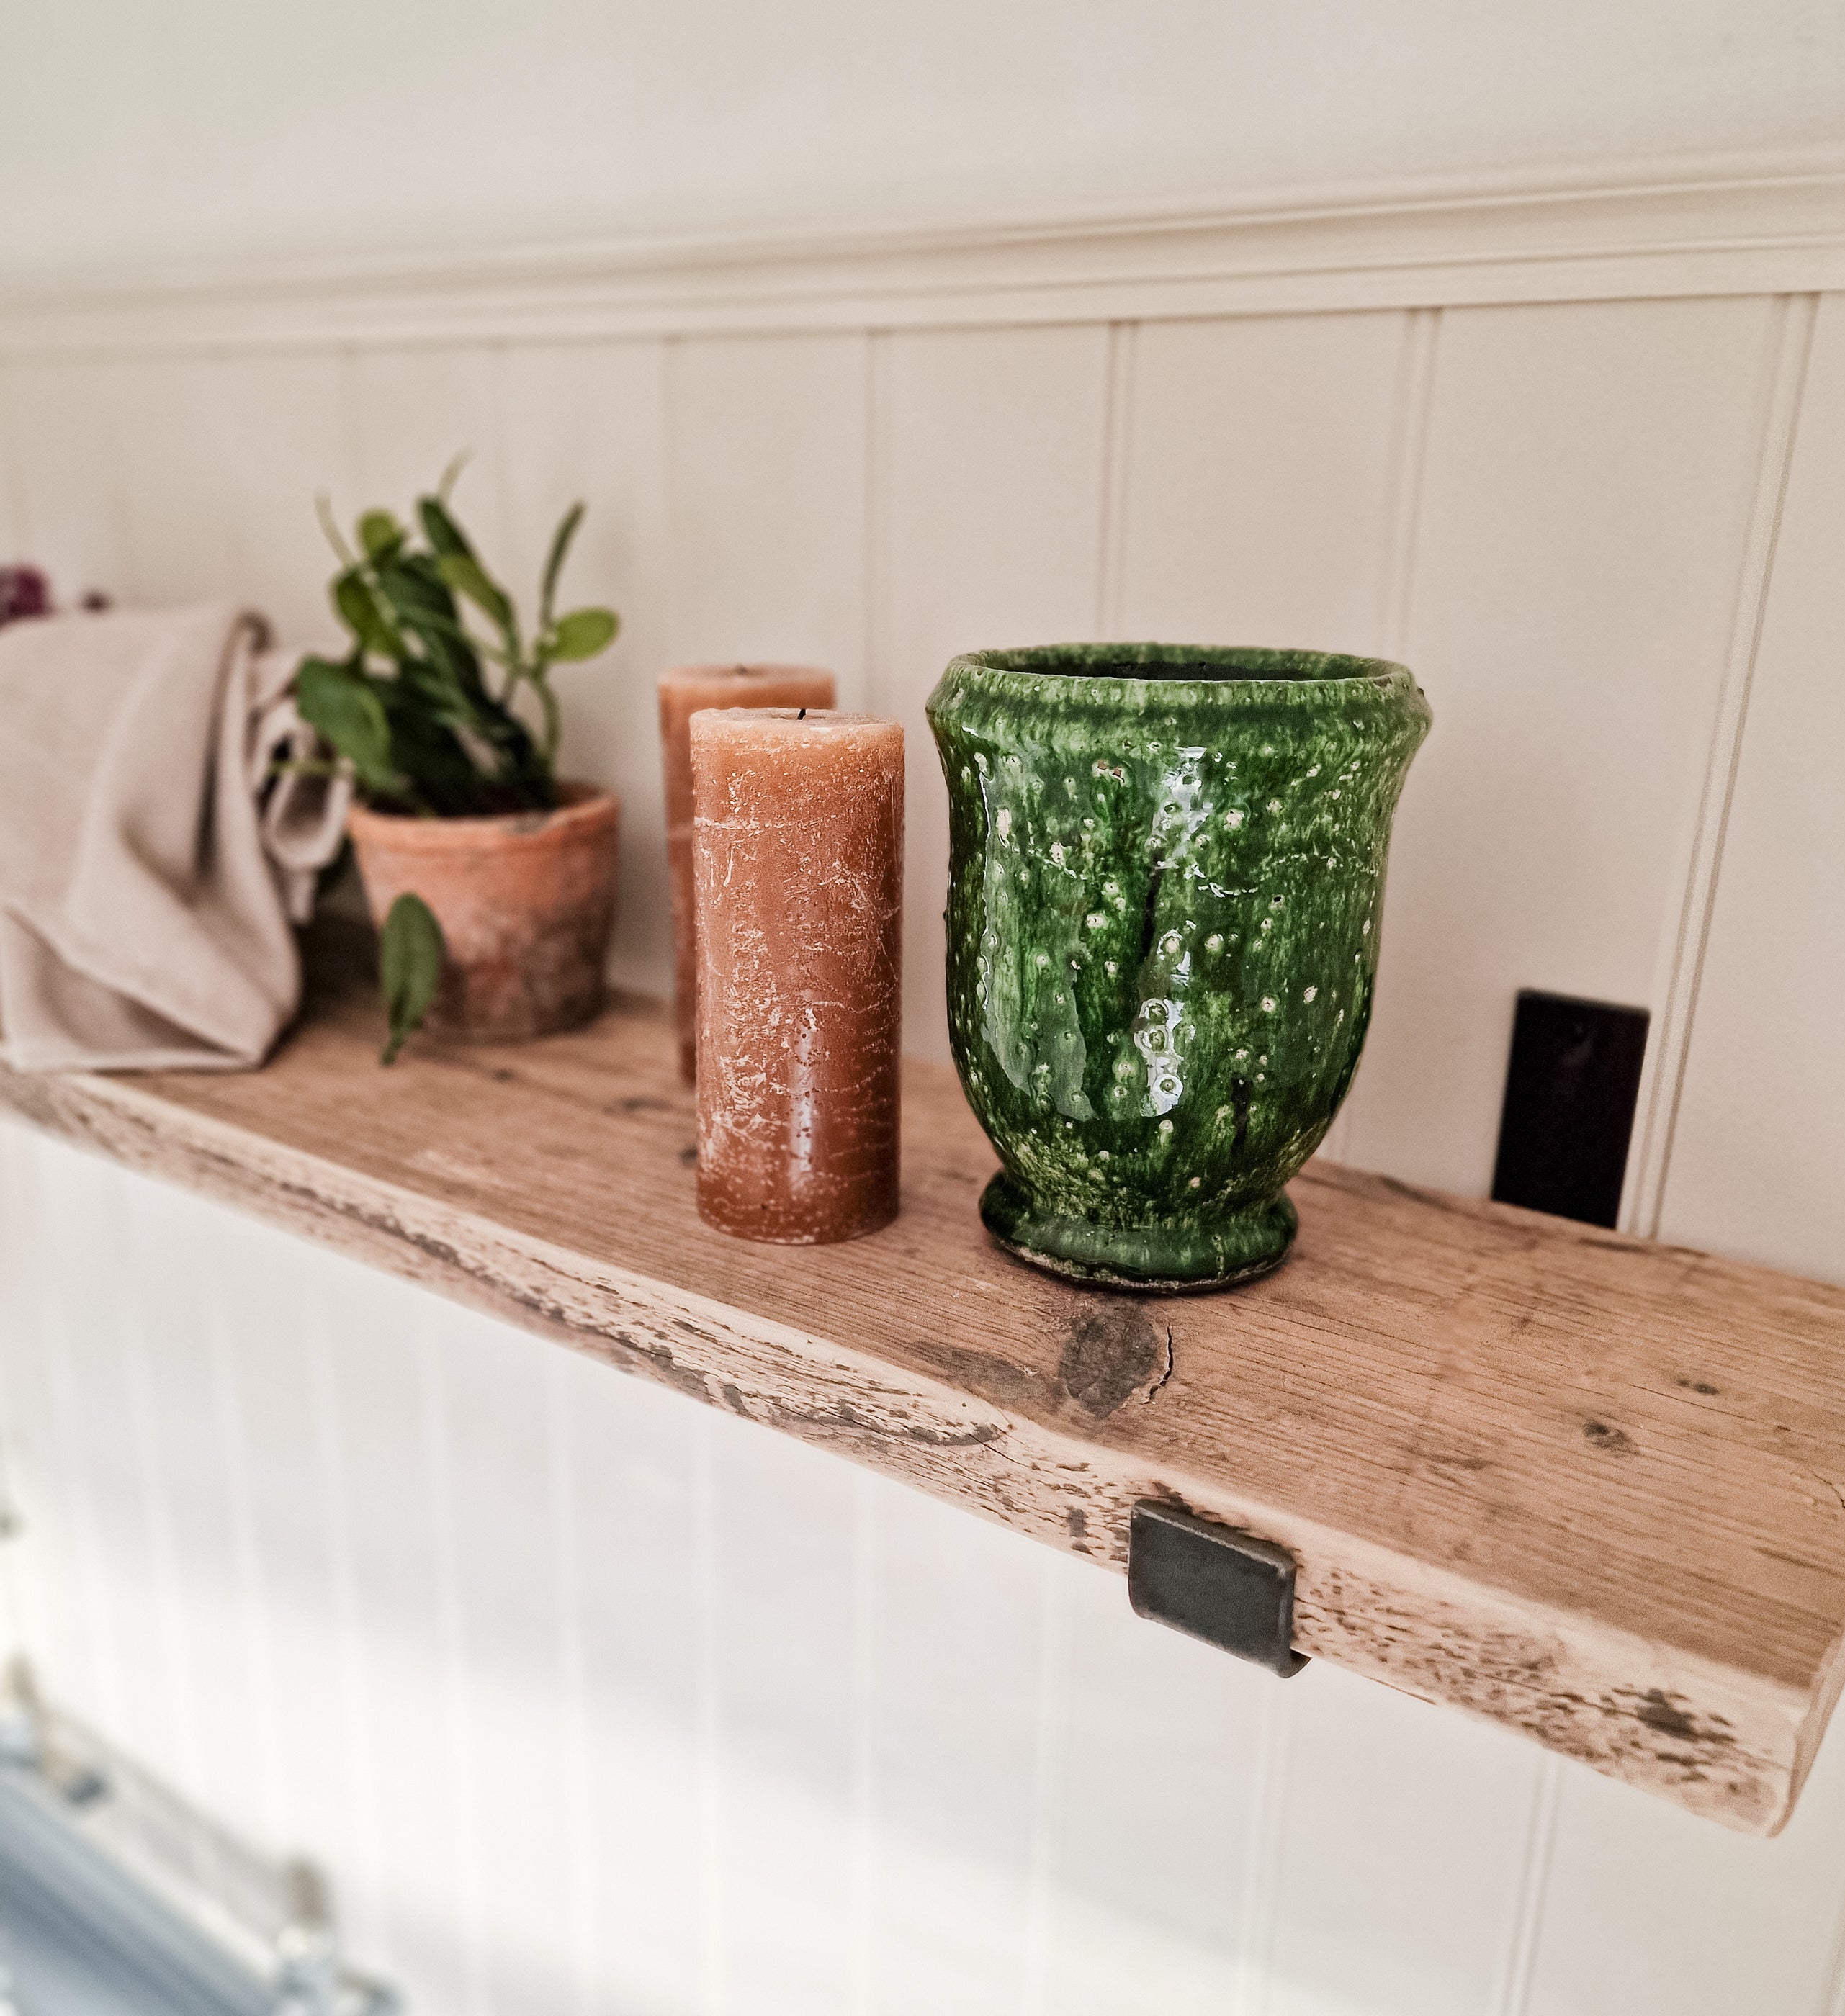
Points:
(1757, 1161)
(62, 422)
(177, 515)
(408, 414)
(88, 1327)
(1150, 1728)
(589, 421)
(768, 488)
(13, 483)
(956, 1658)
(225, 1600)
(187, 479)
(783, 1720)
(1412, 1910)
(1262, 481)
(993, 469)
(625, 1499)
(273, 433)
(48, 1576)
(1576, 572)
(1647, 1910)
(398, 1533)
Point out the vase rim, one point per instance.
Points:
(1198, 668)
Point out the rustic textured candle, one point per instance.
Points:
(798, 854)
(682, 693)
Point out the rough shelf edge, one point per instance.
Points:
(1726, 1745)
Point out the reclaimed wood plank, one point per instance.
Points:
(1585, 1485)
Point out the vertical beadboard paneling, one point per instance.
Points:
(263, 1303)
(1411, 1913)
(1261, 482)
(24, 1623)
(55, 1557)
(957, 1659)
(177, 517)
(1756, 1166)
(190, 1339)
(483, 1384)
(408, 414)
(768, 439)
(63, 425)
(1647, 1909)
(273, 430)
(1162, 1743)
(1791, 324)
(633, 1602)
(993, 524)
(407, 1677)
(589, 421)
(209, 469)
(1576, 568)
(13, 480)
(85, 1307)
(783, 1535)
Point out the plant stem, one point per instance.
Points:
(553, 724)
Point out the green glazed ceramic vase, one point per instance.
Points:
(1166, 873)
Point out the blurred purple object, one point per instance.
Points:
(23, 592)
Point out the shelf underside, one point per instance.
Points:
(1588, 1486)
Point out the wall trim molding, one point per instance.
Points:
(1724, 227)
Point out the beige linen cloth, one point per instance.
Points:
(152, 865)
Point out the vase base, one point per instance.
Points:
(1160, 1260)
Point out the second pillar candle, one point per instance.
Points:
(682, 693)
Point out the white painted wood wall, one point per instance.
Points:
(592, 1701)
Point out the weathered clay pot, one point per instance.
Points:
(1166, 871)
(526, 902)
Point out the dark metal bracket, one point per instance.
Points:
(1210, 1582)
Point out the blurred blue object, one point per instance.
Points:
(116, 1900)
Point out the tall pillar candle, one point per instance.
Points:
(798, 851)
(682, 693)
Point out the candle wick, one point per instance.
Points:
(802, 715)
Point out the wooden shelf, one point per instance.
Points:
(1590, 1487)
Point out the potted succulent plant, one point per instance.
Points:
(492, 880)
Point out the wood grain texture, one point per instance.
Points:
(1587, 1486)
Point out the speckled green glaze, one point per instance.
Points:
(1166, 872)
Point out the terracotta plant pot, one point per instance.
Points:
(526, 903)
(1166, 871)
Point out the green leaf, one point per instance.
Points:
(340, 702)
(444, 535)
(410, 955)
(324, 511)
(356, 607)
(582, 634)
(380, 534)
(465, 575)
(561, 539)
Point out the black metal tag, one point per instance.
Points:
(1213, 1582)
